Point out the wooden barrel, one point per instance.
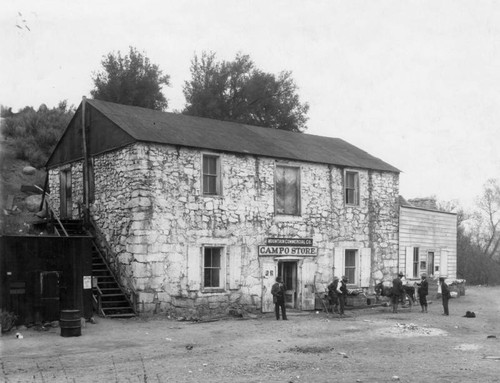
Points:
(70, 323)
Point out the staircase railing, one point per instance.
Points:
(132, 299)
(98, 300)
(101, 245)
(52, 212)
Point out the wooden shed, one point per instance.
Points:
(42, 275)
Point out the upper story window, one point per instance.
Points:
(287, 191)
(352, 188)
(211, 175)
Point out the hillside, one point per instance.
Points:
(14, 215)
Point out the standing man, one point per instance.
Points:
(423, 291)
(278, 291)
(445, 294)
(333, 297)
(397, 292)
(342, 294)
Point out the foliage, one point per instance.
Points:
(238, 91)
(8, 320)
(130, 80)
(34, 133)
(489, 219)
(472, 264)
(478, 237)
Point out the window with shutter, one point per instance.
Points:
(287, 192)
(212, 267)
(350, 265)
(415, 273)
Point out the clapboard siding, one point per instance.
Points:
(430, 231)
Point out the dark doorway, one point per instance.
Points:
(49, 283)
(288, 271)
(430, 263)
(66, 194)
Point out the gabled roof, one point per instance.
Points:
(146, 125)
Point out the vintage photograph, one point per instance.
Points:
(252, 191)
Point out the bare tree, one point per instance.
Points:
(489, 208)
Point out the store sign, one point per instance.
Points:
(302, 251)
(289, 242)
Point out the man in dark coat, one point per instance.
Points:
(423, 291)
(445, 295)
(342, 294)
(333, 296)
(278, 291)
(398, 292)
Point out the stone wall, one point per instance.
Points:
(149, 205)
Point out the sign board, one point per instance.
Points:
(301, 251)
(289, 241)
(87, 282)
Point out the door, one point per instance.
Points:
(65, 193)
(268, 270)
(49, 288)
(308, 289)
(288, 271)
(430, 263)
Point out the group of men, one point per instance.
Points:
(398, 293)
(337, 293)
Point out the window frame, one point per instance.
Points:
(416, 262)
(355, 271)
(298, 204)
(217, 174)
(221, 269)
(355, 188)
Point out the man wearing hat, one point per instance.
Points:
(342, 293)
(423, 291)
(445, 294)
(333, 296)
(278, 291)
(397, 291)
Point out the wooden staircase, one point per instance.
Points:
(70, 227)
(109, 298)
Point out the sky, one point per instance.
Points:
(415, 83)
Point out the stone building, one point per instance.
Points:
(202, 215)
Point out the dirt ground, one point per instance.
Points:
(369, 345)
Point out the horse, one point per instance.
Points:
(384, 289)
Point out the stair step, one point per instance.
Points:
(114, 302)
(117, 310)
(116, 306)
(120, 315)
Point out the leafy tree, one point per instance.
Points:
(130, 80)
(238, 91)
(34, 133)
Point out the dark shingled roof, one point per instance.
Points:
(149, 125)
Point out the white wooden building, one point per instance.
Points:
(427, 242)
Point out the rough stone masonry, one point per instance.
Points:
(149, 205)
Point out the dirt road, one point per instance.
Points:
(370, 345)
